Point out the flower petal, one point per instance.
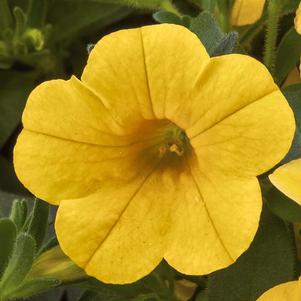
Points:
(289, 291)
(246, 12)
(174, 59)
(287, 179)
(67, 109)
(54, 169)
(214, 226)
(118, 234)
(251, 140)
(157, 66)
(228, 84)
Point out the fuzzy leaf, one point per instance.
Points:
(8, 233)
(35, 286)
(19, 265)
(39, 221)
(227, 44)
(18, 213)
(208, 31)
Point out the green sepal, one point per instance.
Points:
(8, 232)
(270, 260)
(18, 213)
(38, 222)
(19, 265)
(288, 54)
(34, 286)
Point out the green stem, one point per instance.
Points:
(168, 6)
(274, 11)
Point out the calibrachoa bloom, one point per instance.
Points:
(290, 291)
(154, 153)
(246, 12)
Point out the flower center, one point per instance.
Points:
(174, 142)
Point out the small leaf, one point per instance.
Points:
(288, 54)
(18, 213)
(39, 221)
(270, 260)
(8, 233)
(19, 265)
(208, 31)
(167, 17)
(227, 44)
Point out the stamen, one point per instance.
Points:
(174, 148)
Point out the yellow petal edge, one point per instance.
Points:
(290, 291)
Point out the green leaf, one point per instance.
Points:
(270, 260)
(14, 89)
(290, 6)
(208, 31)
(8, 232)
(71, 18)
(215, 41)
(227, 44)
(283, 206)
(18, 213)
(288, 54)
(35, 286)
(167, 17)
(39, 221)
(19, 265)
(293, 96)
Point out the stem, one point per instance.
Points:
(274, 10)
(167, 5)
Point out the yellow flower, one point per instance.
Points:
(290, 291)
(154, 153)
(298, 19)
(287, 179)
(245, 12)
